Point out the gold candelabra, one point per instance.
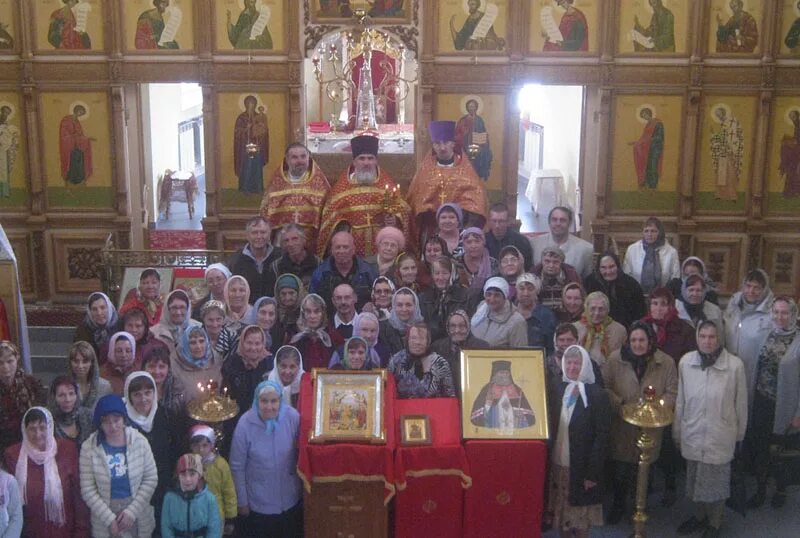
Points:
(212, 408)
(650, 415)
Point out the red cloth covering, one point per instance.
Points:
(511, 494)
(339, 462)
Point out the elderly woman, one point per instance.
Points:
(175, 321)
(146, 296)
(693, 266)
(288, 372)
(623, 291)
(627, 373)
(555, 275)
(380, 303)
(289, 293)
(194, 362)
(46, 470)
(449, 221)
(710, 420)
(775, 412)
(512, 265)
(120, 362)
(212, 315)
(216, 275)
(390, 242)
(652, 261)
(100, 321)
(570, 309)
(580, 417)
(476, 260)
(355, 355)
(540, 319)
(418, 370)
(674, 336)
(237, 303)
(444, 297)
(265, 314)
(598, 333)
(497, 321)
(71, 420)
(83, 367)
(693, 307)
(405, 312)
(264, 452)
(458, 337)
(18, 392)
(118, 474)
(315, 340)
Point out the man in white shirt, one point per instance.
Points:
(578, 252)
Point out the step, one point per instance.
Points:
(51, 334)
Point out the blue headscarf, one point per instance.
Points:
(270, 423)
(186, 353)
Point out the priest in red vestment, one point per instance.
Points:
(445, 175)
(364, 199)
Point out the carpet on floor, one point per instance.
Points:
(177, 240)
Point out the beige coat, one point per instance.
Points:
(623, 387)
(615, 334)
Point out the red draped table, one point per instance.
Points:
(507, 493)
(431, 479)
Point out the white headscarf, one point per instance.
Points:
(294, 386)
(144, 422)
(394, 321)
(222, 268)
(53, 492)
(498, 283)
(585, 376)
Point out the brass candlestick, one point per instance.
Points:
(649, 415)
(212, 408)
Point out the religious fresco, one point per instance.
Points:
(383, 11)
(726, 153)
(783, 179)
(74, 25)
(564, 26)
(653, 26)
(257, 120)
(76, 131)
(8, 40)
(158, 25)
(736, 26)
(480, 121)
(250, 25)
(645, 163)
(13, 184)
(790, 29)
(473, 26)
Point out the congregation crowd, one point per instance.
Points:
(109, 450)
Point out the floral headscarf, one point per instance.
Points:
(185, 352)
(304, 330)
(101, 333)
(596, 331)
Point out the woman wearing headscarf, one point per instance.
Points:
(11, 517)
(237, 303)
(175, 321)
(598, 333)
(264, 451)
(118, 474)
(212, 315)
(693, 266)
(710, 421)
(476, 259)
(147, 296)
(265, 314)
(541, 321)
(314, 339)
(216, 275)
(623, 291)
(418, 370)
(652, 261)
(775, 412)
(674, 336)
(120, 361)
(405, 312)
(288, 372)
(71, 420)
(512, 264)
(152, 421)
(449, 222)
(573, 297)
(380, 303)
(459, 336)
(355, 355)
(46, 470)
(18, 392)
(366, 326)
(445, 297)
(627, 373)
(496, 320)
(390, 242)
(82, 366)
(693, 307)
(194, 362)
(100, 321)
(135, 322)
(580, 418)
(289, 293)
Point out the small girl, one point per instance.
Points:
(216, 472)
(190, 509)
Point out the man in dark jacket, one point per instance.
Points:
(296, 259)
(501, 235)
(343, 267)
(254, 259)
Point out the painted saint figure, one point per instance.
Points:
(727, 151)
(477, 32)
(648, 151)
(9, 145)
(573, 28)
(739, 33)
(471, 129)
(660, 31)
(75, 148)
(250, 31)
(65, 32)
(792, 39)
(251, 128)
(6, 40)
(150, 27)
(790, 157)
(501, 403)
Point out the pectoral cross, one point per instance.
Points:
(296, 216)
(442, 196)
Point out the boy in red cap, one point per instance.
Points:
(190, 510)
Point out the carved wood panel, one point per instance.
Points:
(725, 258)
(781, 261)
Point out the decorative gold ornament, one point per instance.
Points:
(212, 407)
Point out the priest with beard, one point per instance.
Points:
(501, 403)
(445, 175)
(364, 198)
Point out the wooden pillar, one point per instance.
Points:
(511, 151)
(211, 222)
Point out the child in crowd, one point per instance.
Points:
(190, 509)
(217, 473)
